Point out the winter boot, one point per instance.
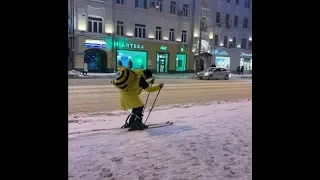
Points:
(131, 120)
(137, 124)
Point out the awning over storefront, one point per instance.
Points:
(90, 43)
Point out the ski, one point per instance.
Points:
(150, 126)
(160, 124)
(168, 123)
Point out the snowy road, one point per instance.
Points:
(97, 95)
(207, 142)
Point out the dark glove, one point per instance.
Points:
(161, 85)
(152, 81)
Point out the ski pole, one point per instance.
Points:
(145, 104)
(152, 106)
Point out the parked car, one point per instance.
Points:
(214, 73)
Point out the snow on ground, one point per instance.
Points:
(78, 74)
(206, 142)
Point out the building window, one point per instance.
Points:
(250, 45)
(171, 35)
(225, 41)
(184, 36)
(228, 1)
(216, 40)
(237, 2)
(227, 21)
(244, 43)
(95, 25)
(141, 4)
(140, 31)
(120, 1)
(247, 3)
(234, 42)
(173, 7)
(245, 22)
(119, 28)
(185, 9)
(204, 24)
(158, 33)
(217, 17)
(235, 23)
(134, 59)
(159, 5)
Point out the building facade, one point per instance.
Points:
(153, 34)
(226, 36)
(162, 35)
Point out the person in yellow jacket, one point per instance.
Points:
(129, 98)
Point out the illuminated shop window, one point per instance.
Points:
(181, 61)
(132, 59)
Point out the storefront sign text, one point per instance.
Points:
(244, 54)
(134, 46)
(217, 52)
(92, 45)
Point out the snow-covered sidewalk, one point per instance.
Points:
(207, 141)
(77, 74)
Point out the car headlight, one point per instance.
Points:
(206, 74)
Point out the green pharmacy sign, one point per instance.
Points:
(129, 45)
(164, 48)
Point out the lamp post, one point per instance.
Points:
(214, 32)
(72, 36)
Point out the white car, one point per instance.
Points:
(214, 73)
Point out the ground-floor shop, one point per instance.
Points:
(227, 58)
(92, 51)
(239, 58)
(106, 54)
(222, 58)
(219, 57)
(157, 56)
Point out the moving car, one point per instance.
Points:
(214, 73)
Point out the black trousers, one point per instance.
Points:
(138, 111)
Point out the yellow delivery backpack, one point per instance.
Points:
(124, 78)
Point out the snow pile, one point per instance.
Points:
(241, 76)
(174, 76)
(109, 75)
(79, 117)
(78, 74)
(75, 74)
(209, 141)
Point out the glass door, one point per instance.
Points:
(162, 62)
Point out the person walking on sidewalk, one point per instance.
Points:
(242, 67)
(85, 66)
(238, 70)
